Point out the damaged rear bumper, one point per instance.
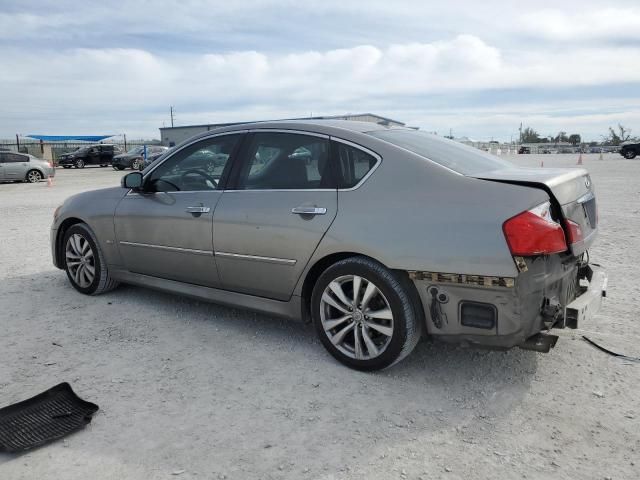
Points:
(502, 313)
(586, 305)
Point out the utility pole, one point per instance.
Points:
(17, 143)
(125, 141)
(171, 110)
(520, 132)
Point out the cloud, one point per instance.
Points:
(608, 24)
(75, 65)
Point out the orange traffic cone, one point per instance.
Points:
(579, 159)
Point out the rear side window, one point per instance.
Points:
(14, 158)
(285, 161)
(453, 155)
(353, 164)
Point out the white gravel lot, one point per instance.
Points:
(192, 390)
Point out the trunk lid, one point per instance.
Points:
(570, 189)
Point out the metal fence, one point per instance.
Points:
(52, 150)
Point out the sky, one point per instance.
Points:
(477, 69)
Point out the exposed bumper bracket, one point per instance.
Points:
(584, 307)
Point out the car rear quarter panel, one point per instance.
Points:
(412, 214)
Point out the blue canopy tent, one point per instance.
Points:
(70, 138)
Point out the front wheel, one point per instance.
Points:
(365, 315)
(629, 155)
(135, 165)
(84, 263)
(79, 163)
(34, 176)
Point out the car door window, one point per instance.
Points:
(15, 158)
(285, 161)
(353, 164)
(197, 167)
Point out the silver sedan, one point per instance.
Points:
(377, 235)
(20, 167)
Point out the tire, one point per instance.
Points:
(629, 155)
(79, 163)
(119, 167)
(392, 334)
(33, 176)
(135, 165)
(76, 239)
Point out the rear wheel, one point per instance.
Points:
(364, 314)
(84, 262)
(33, 176)
(136, 164)
(629, 154)
(79, 163)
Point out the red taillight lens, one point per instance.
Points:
(534, 233)
(574, 232)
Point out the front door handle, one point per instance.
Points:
(197, 211)
(309, 210)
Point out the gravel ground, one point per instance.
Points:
(193, 390)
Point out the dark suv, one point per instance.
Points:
(90, 155)
(630, 150)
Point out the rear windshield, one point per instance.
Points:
(456, 156)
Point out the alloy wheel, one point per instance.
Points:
(34, 176)
(80, 260)
(356, 317)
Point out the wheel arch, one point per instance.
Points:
(325, 262)
(62, 229)
(34, 169)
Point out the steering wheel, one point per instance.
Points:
(200, 172)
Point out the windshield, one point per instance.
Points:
(136, 150)
(456, 156)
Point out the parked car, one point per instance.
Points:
(21, 167)
(376, 235)
(101, 154)
(134, 158)
(155, 156)
(524, 150)
(630, 150)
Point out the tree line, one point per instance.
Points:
(613, 137)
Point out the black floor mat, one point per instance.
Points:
(43, 418)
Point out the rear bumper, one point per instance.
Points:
(536, 300)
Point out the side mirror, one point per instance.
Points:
(132, 180)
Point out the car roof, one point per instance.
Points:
(328, 127)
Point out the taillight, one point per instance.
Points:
(534, 232)
(574, 232)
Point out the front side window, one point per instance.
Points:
(285, 161)
(353, 164)
(197, 167)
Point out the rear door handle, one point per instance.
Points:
(309, 210)
(198, 209)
